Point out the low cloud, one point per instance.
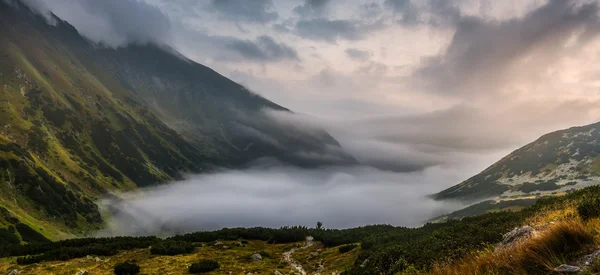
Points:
(113, 23)
(278, 196)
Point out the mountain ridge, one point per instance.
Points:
(79, 121)
(556, 162)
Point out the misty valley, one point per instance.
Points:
(302, 137)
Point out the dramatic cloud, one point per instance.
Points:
(491, 55)
(278, 196)
(312, 7)
(255, 11)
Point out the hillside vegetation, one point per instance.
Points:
(567, 228)
(553, 164)
(79, 121)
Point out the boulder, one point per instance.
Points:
(97, 259)
(14, 272)
(82, 272)
(563, 268)
(277, 272)
(218, 243)
(226, 247)
(517, 234)
(256, 257)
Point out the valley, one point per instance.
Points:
(131, 158)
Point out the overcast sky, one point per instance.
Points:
(403, 85)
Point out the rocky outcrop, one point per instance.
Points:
(518, 234)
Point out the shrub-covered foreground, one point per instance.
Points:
(384, 249)
(127, 268)
(203, 266)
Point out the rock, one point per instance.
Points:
(218, 243)
(256, 257)
(567, 269)
(82, 272)
(364, 263)
(589, 260)
(14, 272)
(517, 234)
(240, 244)
(97, 259)
(313, 255)
(277, 272)
(226, 247)
(89, 257)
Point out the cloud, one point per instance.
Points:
(332, 30)
(263, 49)
(253, 11)
(493, 54)
(358, 54)
(433, 12)
(312, 7)
(111, 22)
(275, 196)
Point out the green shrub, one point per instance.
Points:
(203, 266)
(589, 208)
(172, 248)
(127, 268)
(347, 248)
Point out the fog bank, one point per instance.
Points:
(275, 196)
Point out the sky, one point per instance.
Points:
(405, 86)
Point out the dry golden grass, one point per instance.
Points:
(540, 254)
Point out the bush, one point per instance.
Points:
(589, 208)
(203, 266)
(172, 248)
(347, 248)
(127, 268)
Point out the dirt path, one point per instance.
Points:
(287, 256)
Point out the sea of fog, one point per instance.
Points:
(275, 196)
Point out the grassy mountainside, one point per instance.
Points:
(79, 121)
(555, 163)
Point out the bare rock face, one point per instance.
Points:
(567, 269)
(517, 234)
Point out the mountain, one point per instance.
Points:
(553, 164)
(79, 121)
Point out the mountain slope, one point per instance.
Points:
(79, 121)
(555, 163)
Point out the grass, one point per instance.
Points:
(540, 254)
(235, 259)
